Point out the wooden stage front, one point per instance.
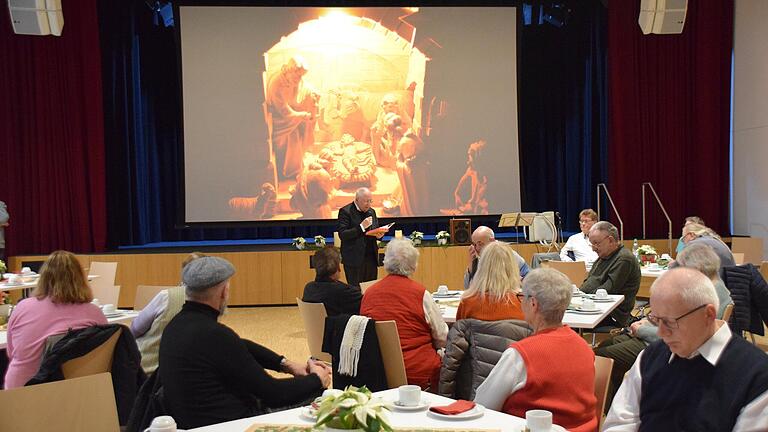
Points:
(278, 277)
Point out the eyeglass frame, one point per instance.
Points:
(674, 324)
(584, 222)
(600, 242)
(521, 296)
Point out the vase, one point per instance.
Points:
(647, 259)
(299, 246)
(442, 241)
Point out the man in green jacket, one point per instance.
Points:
(616, 270)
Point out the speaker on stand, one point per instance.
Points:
(461, 231)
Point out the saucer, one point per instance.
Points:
(113, 314)
(421, 406)
(474, 413)
(585, 312)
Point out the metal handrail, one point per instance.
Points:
(664, 210)
(610, 200)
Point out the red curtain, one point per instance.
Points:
(669, 116)
(52, 173)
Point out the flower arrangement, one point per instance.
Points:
(442, 237)
(299, 243)
(647, 254)
(319, 241)
(353, 409)
(416, 237)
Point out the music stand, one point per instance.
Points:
(516, 219)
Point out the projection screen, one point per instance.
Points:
(288, 110)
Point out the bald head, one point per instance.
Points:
(481, 237)
(363, 198)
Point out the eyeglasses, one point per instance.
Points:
(584, 222)
(598, 243)
(671, 323)
(520, 297)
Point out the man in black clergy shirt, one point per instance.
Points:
(209, 374)
(359, 229)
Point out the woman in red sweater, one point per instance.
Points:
(491, 294)
(553, 369)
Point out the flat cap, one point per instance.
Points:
(206, 272)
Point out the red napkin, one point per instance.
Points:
(457, 407)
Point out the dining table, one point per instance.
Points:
(400, 419)
(574, 316)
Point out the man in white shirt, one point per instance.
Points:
(578, 244)
(700, 376)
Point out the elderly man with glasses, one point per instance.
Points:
(616, 271)
(699, 377)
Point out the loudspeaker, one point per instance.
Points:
(36, 17)
(461, 231)
(662, 16)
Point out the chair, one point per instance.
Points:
(107, 294)
(73, 405)
(145, 294)
(603, 368)
(542, 257)
(764, 270)
(727, 312)
(313, 315)
(576, 270)
(365, 285)
(738, 258)
(105, 270)
(751, 247)
(391, 353)
(98, 361)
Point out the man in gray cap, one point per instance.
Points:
(209, 374)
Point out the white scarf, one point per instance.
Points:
(349, 353)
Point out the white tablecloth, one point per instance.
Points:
(490, 419)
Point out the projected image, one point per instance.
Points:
(351, 98)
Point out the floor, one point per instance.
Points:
(277, 328)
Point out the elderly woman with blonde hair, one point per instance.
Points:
(491, 294)
(419, 322)
(60, 302)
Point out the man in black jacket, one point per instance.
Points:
(211, 375)
(359, 229)
(338, 297)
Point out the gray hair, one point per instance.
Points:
(694, 287)
(360, 192)
(551, 289)
(607, 228)
(401, 257)
(702, 258)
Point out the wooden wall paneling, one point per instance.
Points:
(296, 273)
(258, 277)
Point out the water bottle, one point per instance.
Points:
(635, 247)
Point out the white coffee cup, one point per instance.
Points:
(26, 270)
(538, 420)
(14, 280)
(601, 294)
(96, 302)
(442, 289)
(588, 304)
(574, 288)
(109, 309)
(162, 424)
(409, 395)
(331, 392)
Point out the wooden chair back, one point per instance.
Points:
(145, 294)
(764, 269)
(576, 271)
(751, 247)
(365, 285)
(391, 353)
(738, 258)
(603, 368)
(105, 270)
(72, 405)
(313, 315)
(98, 361)
(727, 312)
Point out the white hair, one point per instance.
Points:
(607, 228)
(551, 289)
(694, 287)
(702, 258)
(401, 257)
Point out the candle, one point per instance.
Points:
(399, 234)
(336, 239)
